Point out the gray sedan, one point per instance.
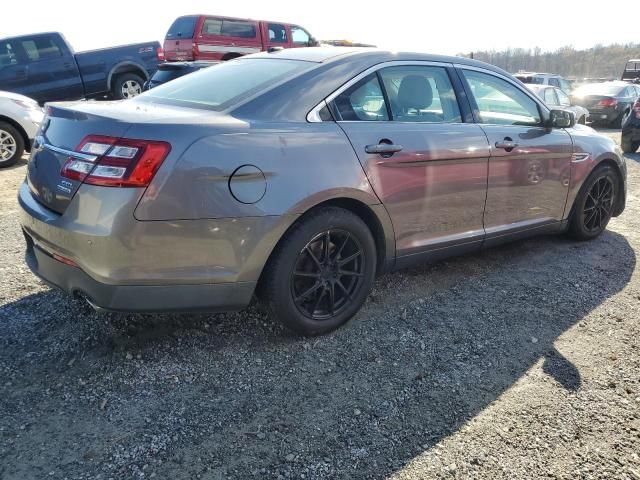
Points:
(299, 175)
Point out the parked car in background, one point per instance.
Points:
(544, 79)
(630, 140)
(44, 67)
(171, 70)
(608, 102)
(631, 72)
(20, 118)
(554, 97)
(319, 169)
(211, 37)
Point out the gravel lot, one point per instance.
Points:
(520, 362)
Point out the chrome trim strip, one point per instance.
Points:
(313, 115)
(80, 156)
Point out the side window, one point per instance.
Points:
(363, 101)
(228, 28)
(7, 55)
(550, 97)
(499, 102)
(563, 98)
(420, 94)
(40, 48)
(565, 86)
(299, 36)
(555, 82)
(277, 33)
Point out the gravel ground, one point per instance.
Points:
(520, 362)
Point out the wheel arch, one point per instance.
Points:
(126, 67)
(620, 201)
(21, 131)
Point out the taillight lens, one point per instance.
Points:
(116, 162)
(160, 54)
(608, 102)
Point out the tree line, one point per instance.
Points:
(595, 62)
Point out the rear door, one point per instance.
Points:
(178, 43)
(278, 34)
(530, 164)
(51, 71)
(426, 165)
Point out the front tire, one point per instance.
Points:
(127, 86)
(11, 145)
(321, 272)
(594, 205)
(628, 146)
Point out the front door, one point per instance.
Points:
(529, 168)
(428, 168)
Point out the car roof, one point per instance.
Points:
(536, 73)
(373, 55)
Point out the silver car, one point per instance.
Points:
(299, 175)
(20, 118)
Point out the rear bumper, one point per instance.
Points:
(137, 298)
(600, 116)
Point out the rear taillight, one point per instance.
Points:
(636, 108)
(116, 162)
(608, 102)
(160, 54)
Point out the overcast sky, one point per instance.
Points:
(451, 27)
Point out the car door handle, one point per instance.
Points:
(508, 144)
(383, 148)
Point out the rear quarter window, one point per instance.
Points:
(182, 27)
(229, 28)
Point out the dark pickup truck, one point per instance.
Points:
(44, 67)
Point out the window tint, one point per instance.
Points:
(40, 48)
(420, 94)
(563, 98)
(550, 97)
(362, 101)
(299, 36)
(225, 84)
(182, 27)
(229, 28)
(555, 82)
(277, 33)
(7, 54)
(499, 102)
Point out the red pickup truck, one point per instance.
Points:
(205, 37)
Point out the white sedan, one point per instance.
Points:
(556, 98)
(20, 118)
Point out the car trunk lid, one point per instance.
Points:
(63, 129)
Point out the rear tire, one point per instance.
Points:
(11, 145)
(321, 272)
(127, 85)
(594, 205)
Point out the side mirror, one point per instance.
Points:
(561, 119)
(312, 42)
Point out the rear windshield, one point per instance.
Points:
(225, 84)
(183, 27)
(597, 89)
(162, 76)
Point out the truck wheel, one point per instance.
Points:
(127, 86)
(11, 145)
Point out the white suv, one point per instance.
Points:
(20, 118)
(544, 79)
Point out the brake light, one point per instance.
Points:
(160, 54)
(116, 162)
(608, 102)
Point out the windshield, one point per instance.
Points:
(183, 27)
(223, 85)
(597, 89)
